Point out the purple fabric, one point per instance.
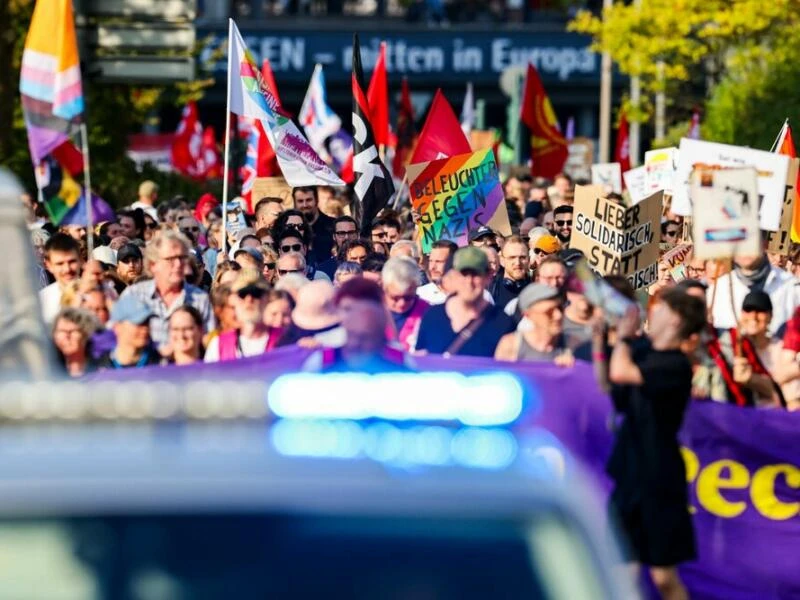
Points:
(741, 552)
(101, 211)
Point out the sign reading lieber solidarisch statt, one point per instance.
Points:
(455, 195)
(618, 239)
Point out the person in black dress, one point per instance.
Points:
(652, 380)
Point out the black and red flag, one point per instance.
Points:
(373, 183)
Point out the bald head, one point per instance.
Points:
(365, 325)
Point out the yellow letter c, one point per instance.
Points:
(763, 496)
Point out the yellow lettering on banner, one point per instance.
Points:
(692, 469)
(762, 492)
(711, 481)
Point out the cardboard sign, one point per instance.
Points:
(454, 196)
(580, 158)
(725, 221)
(272, 187)
(780, 241)
(636, 182)
(772, 170)
(676, 256)
(617, 239)
(660, 169)
(234, 219)
(609, 175)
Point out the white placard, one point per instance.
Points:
(660, 169)
(772, 170)
(635, 181)
(609, 175)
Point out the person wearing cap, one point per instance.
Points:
(252, 337)
(440, 261)
(167, 258)
(483, 236)
(249, 258)
(516, 270)
(544, 246)
(148, 194)
(562, 218)
(130, 263)
(466, 324)
(315, 319)
(543, 307)
(130, 321)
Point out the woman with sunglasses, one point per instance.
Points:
(253, 337)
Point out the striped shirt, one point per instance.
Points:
(159, 324)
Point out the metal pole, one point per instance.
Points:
(227, 146)
(605, 101)
(635, 126)
(87, 189)
(661, 104)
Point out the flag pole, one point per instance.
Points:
(227, 146)
(87, 189)
(781, 136)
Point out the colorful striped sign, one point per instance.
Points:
(454, 196)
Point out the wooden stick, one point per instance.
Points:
(737, 350)
(400, 191)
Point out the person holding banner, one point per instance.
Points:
(652, 381)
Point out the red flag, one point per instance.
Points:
(405, 131)
(622, 152)
(269, 78)
(188, 139)
(785, 145)
(208, 165)
(548, 145)
(378, 99)
(442, 134)
(69, 157)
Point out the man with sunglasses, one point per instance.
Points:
(670, 232)
(190, 227)
(253, 337)
(290, 241)
(562, 219)
(167, 258)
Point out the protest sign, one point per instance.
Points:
(275, 187)
(725, 221)
(598, 292)
(580, 158)
(772, 170)
(636, 182)
(676, 256)
(617, 239)
(235, 219)
(455, 195)
(780, 241)
(660, 169)
(609, 175)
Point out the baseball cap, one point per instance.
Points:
(129, 308)
(105, 255)
(129, 252)
(471, 259)
(480, 232)
(548, 243)
(536, 292)
(757, 302)
(252, 252)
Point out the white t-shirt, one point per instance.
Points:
(150, 210)
(433, 294)
(246, 347)
(50, 299)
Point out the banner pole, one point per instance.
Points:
(87, 189)
(227, 146)
(400, 191)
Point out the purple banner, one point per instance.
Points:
(743, 465)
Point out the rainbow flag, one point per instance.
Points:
(50, 78)
(250, 96)
(59, 190)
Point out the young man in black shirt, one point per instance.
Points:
(653, 381)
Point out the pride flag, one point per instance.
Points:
(50, 78)
(59, 190)
(251, 97)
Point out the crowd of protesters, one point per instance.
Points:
(158, 289)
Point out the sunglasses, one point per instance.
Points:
(539, 252)
(670, 233)
(190, 229)
(292, 248)
(564, 223)
(354, 232)
(296, 225)
(253, 291)
(269, 265)
(151, 225)
(287, 271)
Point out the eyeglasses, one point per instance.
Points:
(181, 258)
(564, 223)
(379, 234)
(287, 271)
(151, 225)
(190, 229)
(292, 248)
(269, 265)
(670, 233)
(68, 332)
(296, 225)
(253, 291)
(540, 252)
(695, 270)
(342, 233)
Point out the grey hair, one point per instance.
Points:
(401, 271)
(291, 282)
(39, 237)
(347, 268)
(85, 320)
(163, 237)
(399, 244)
(298, 256)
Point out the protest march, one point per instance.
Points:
(655, 306)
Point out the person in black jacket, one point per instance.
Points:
(516, 271)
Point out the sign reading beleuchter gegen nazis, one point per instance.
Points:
(455, 195)
(616, 239)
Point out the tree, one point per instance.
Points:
(695, 42)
